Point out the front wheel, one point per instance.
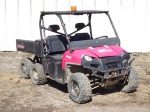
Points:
(132, 82)
(79, 88)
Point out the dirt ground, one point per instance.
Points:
(20, 95)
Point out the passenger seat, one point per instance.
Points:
(80, 36)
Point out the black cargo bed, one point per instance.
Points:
(29, 46)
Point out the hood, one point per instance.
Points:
(105, 51)
(98, 52)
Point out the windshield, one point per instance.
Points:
(100, 24)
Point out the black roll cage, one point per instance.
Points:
(59, 13)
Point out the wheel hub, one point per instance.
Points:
(23, 68)
(75, 88)
(35, 75)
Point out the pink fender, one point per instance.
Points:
(75, 57)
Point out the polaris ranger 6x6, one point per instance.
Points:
(77, 57)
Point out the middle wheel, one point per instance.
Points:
(37, 74)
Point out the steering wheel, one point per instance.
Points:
(102, 37)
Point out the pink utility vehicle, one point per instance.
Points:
(80, 60)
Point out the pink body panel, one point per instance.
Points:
(98, 52)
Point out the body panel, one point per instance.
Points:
(98, 52)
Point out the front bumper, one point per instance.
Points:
(113, 72)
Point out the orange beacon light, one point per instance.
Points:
(73, 8)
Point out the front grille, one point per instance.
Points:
(112, 59)
(112, 65)
(111, 62)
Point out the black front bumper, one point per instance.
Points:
(110, 67)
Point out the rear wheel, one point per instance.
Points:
(37, 74)
(79, 88)
(24, 66)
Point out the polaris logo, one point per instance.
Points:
(67, 56)
(104, 50)
(20, 46)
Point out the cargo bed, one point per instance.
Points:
(29, 46)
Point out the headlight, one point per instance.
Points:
(88, 58)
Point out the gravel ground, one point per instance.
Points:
(20, 95)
